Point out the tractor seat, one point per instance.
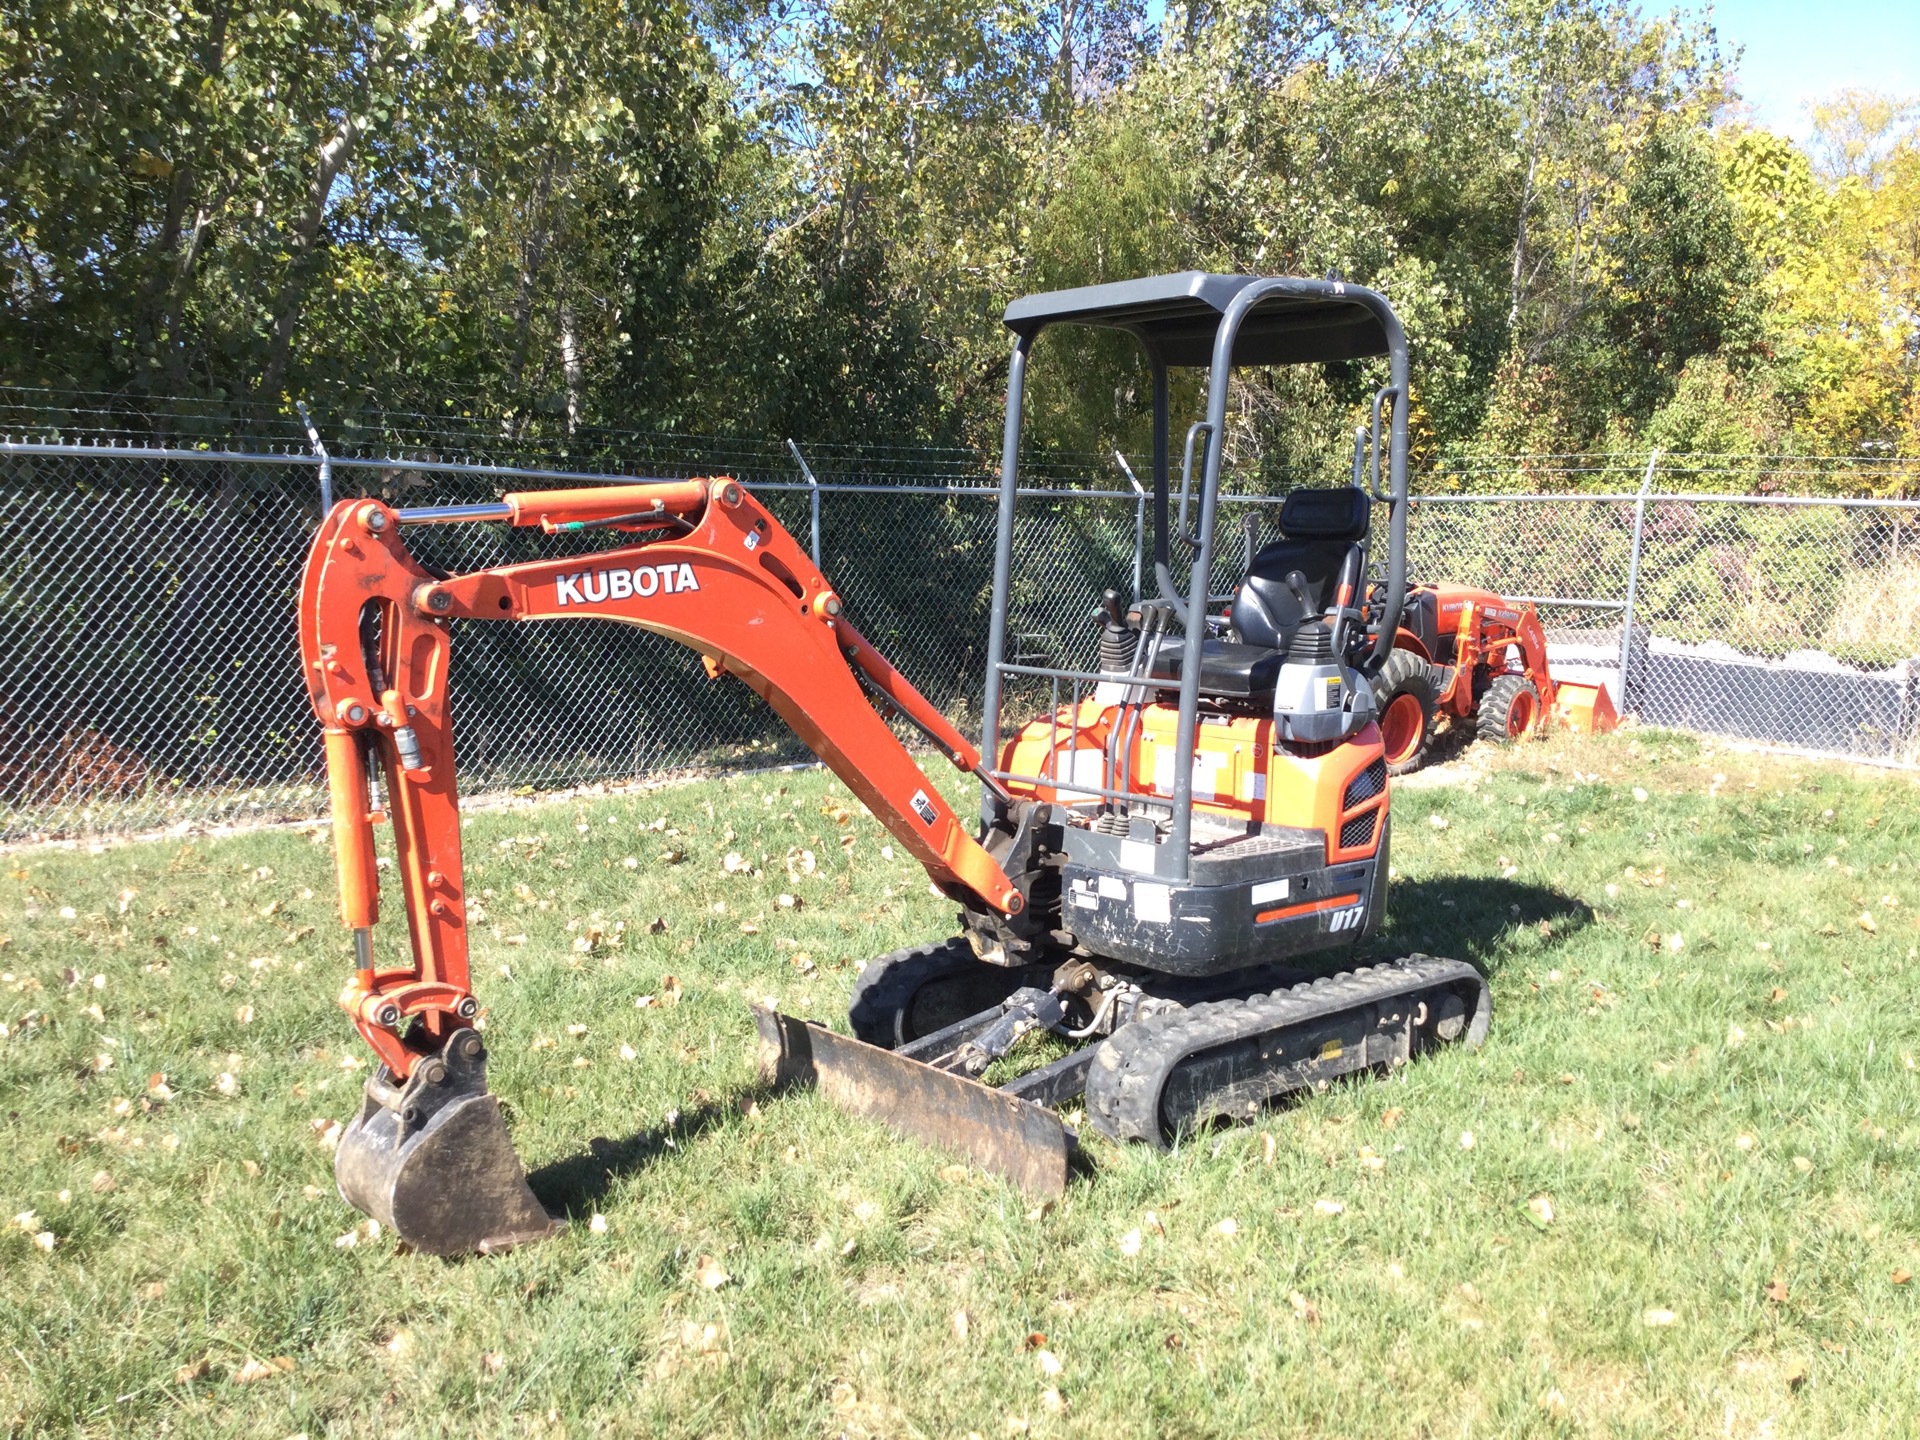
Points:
(1323, 535)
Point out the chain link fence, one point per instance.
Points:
(148, 660)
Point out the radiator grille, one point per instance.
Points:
(1358, 831)
(1367, 784)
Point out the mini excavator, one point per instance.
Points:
(1175, 859)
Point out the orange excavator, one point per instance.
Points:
(1174, 862)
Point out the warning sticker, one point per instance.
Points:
(1152, 903)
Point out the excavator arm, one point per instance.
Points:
(708, 567)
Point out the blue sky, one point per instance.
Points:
(1795, 53)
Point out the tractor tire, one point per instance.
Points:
(1509, 710)
(913, 992)
(1404, 694)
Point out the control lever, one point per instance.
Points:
(1297, 583)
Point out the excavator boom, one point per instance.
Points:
(708, 567)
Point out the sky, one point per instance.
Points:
(1796, 52)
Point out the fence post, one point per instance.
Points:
(813, 489)
(1139, 523)
(326, 460)
(1633, 582)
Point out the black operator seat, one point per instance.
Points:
(1296, 579)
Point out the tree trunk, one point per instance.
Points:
(1520, 242)
(532, 253)
(328, 163)
(570, 365)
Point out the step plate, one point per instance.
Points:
(1000, 1133)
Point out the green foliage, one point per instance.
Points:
(805, 218)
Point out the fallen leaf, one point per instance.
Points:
(1130, 1244)
(1391, 1118)
(1041, 1211)
(1776, 1291)
(226, 1084)
(1656, 1318)
(1466, 1139)
(194, 1370)
(598, 1224)
(669, 990)
(1228, 1227)
(1036, 1341)
(657, 925)
(1051, 1399)
(961, 1325)
(1865, 922)
(1803, 1164)
(1439, 822)
(493, 1362)
(1901, 1276)
(1268, 1147)
(709, 1275)
(102, 1182)
(1540, 1211)
(254, 1370)
(1048, 1362)
(1328, 1207)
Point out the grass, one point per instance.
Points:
(1701, 1057)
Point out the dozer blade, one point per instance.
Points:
(998, 1132)
(431, 1159)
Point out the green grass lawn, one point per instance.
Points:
(1702, 1067)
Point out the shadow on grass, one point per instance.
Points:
(1468, 917)
(573, 1187)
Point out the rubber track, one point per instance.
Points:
(883, 991)
(1125, 1082)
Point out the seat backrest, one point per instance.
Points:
(1322, 532)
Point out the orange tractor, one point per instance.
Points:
(1466, 654)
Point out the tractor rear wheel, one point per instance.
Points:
(1509, 710)
(1404, 693)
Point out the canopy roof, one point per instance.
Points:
(1177, 315)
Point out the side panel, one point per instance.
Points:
(1210, 929)
(1238, 772)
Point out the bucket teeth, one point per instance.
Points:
(431, 1159)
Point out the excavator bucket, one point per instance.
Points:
(430, 1159)
(1584, 709)
(1000, 1133)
